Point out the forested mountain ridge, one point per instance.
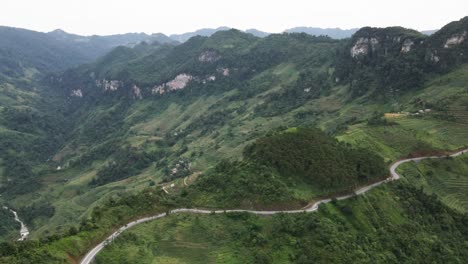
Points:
(21, 49)
(383, 61)
(274, 166)
(336, 33)
(231, 54)
(389, 60)
(57, 50)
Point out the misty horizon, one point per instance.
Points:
(89, 18)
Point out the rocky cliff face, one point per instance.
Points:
(373, 42)
(209, 56)
(455, 40)
(381, 60)
(448, 47)
(384, 55)
(363, 46)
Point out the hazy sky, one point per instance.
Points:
(176, 16)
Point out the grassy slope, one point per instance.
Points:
(407, 136)
(399, 140)
(411, 134)
(429, 132)
(72, 183)
(447, 178)
(348, 231)
(174, 241)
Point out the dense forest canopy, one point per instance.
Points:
(273, 165)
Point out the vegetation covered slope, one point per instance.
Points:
(389, 61)
(392, 224)
(147, 117)
(375, 228)
(190, 124)
(8, 226)
(132, 105)
(447, 179)
(291, 166)
(22, 49)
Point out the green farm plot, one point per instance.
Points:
(408, 135)
(180, 239)
(446, 178)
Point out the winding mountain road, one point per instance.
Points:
(89, 257)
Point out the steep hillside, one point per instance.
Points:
(446, 48)
(389, 61)
(445, 178)
(8, 226)
(99, 45)
(139, 113)
(287, 168)
(22, 50)
(155, 126)
(376, 228)
(136, 114)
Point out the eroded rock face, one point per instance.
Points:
(223, 71)
(435, 58)
(455, 40)
(112, 85)
(179, 82)
(136, 92)
(209, 56)
(406, 47)
(76, 93)
(363, 46)
(158, 89)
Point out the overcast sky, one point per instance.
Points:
(104, 17)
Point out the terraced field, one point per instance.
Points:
(407, 135)
(459, 113)
(192, 239)
(446, 178)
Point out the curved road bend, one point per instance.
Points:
(312, 208)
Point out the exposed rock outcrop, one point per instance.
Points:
(112, 85)
(455, 40)
(179, 82)
(158, 89)
(136, 92)
(209, 56)
(76, 93)
(407, 45)
(363, 46)
(434, 58)
(223, 71)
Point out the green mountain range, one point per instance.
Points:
(96, 132)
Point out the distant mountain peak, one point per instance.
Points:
(336, 33)
(205, 32)
(58, 31)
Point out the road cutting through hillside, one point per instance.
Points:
(89, 257)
